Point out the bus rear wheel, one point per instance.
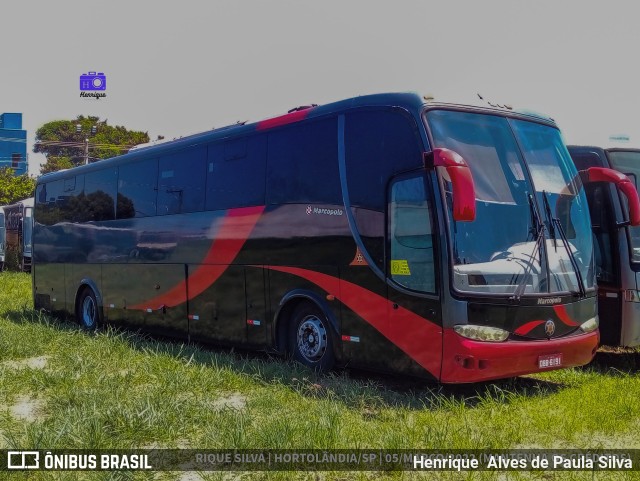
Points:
(87, 310)
(311, 339)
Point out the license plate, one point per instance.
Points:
(550, 361)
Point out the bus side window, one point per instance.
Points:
(73, 205)
(137, 189)
(181, 181)
(411, 235)
(378, 144)
(50, 202)
(302, 164)
(100, 189)
(235, 173)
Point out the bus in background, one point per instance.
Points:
(446, 241)
(617, 244)
(19, 229)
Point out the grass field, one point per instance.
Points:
(64, 388)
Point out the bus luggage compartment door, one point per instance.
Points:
(151, 297)
(218, 303)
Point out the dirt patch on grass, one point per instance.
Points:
(39, 362)
(231, 401)
(599, 440)
(180, 443)
(190, 476)
(27, 408)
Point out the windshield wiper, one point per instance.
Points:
(550, 219)
(555, 222)
(537, 230)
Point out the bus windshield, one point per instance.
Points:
(532, 233)
(628, 162)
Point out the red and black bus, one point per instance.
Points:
(445, 241)
(616, 242)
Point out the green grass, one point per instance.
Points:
(64, 388)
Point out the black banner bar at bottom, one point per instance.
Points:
(320, 460)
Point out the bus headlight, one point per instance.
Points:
(590, 325)
(481, 333)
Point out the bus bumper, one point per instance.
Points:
(465, 360)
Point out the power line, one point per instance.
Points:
(61, 143)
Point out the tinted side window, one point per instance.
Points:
(137, 189)
(302, 164)
(181, 181)
(411, 235)
(100, 190)
(602, 216)
(49, 202)
(584, 160)
(235, 173)
(72, 201)
(377, 145)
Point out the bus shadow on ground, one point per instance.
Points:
(355, 388)
(615, 361)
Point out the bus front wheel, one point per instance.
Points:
(310, 338)
(87, 310)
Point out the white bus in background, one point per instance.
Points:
(18, 221)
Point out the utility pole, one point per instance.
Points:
(94, 129)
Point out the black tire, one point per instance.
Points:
(88, 311)
(311, 338)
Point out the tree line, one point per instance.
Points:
(67, 144)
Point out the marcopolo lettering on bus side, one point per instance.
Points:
(323, 211)
(549, 300)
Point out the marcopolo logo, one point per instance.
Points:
(93, 85)
(548, 300)
(323, 211)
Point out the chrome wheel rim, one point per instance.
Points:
(312, 338)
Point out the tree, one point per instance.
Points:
(64, 146)
(15, 187)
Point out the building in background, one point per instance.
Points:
(13, 143)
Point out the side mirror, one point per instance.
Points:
(464, 192)
(622, 182)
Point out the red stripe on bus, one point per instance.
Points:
(563, 315)
(283, 119)
(416, 336)
(527, 328)
(234, 231)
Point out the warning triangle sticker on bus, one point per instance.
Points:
(359, 259)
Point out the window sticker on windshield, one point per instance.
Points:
(400, 268)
